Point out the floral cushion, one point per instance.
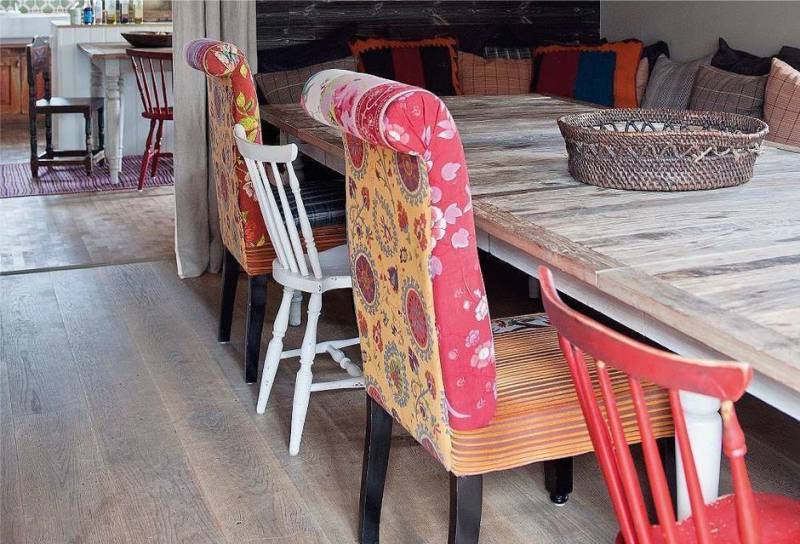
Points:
(420, 301)
(231, 100)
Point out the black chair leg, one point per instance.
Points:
(34, 147)
(48, 134)
(230, 279)
(256, 306)
(558, 479)
(87, 120)
(666, 448)
(377, 442)
(466, 501)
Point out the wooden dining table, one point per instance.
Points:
(706, 274)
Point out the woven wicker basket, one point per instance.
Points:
(662, 150)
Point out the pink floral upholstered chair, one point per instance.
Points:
(481, 396)
(232, 100)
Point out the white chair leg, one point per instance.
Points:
(344, 361)
(294, 315)
(273, 358)
(302, 386)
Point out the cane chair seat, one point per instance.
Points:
(538, 417)
(780, 522)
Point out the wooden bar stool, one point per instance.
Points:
(38, 58)
(151, 68)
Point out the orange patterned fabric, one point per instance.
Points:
(538, 417)
(231, 100)
(628, 54)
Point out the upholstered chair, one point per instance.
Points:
(232, 100)
(479, 395)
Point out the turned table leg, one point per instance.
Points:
(114, 118)
(704, 426)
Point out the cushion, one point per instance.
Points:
(740, 62)
(595, 79)
(538, 415)
(718, 90)
(782, 105)
(642, 75)
(572, 73)
(498, 76)
(496, 52)
(323, 200)
(430, 63)
(286, 86)
(627, 53)
(791, 56)
(653, 51)
(670, 84)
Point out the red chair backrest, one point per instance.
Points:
(152, 69)
(724, 380)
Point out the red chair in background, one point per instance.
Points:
(742, 517)
(151, 69)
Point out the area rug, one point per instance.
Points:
(16, 180)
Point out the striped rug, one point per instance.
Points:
(15, 178)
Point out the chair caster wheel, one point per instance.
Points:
(559, 500)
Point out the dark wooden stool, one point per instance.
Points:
(38, 56)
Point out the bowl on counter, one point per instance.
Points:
(148, 38)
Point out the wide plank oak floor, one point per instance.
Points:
(122, 420)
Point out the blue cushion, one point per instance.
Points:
(595, 80)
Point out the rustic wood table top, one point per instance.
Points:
(721, 267)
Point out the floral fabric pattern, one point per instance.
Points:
(421, 305)
(232, 99)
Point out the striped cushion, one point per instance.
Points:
(512, 53)
(538, 417)
(670, 84)
(286, 86)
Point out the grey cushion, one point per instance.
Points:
(285, 87)
(323, 200)
(671, 82)
(718, 90)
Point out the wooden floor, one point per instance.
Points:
(86, 229)
(122, 420)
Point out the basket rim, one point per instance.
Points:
(571, 121)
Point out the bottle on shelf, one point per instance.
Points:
(88, 15)
(97, 11)
(111, 12)
(138, 11)
(124, 17)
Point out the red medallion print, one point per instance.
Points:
(365, 277)
(415, 313)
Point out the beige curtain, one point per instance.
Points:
(198, 246)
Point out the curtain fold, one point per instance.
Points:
(198, 246)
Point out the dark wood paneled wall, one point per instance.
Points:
(282, 23)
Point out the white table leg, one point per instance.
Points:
(704, 426)
(114, 118)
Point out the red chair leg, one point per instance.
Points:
(148, 153)
(157, 147)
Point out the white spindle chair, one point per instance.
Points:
(296, 270)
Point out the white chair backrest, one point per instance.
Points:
(280, 221)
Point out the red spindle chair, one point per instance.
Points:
(743, 517)
(152, 69)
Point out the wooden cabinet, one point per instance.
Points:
(13, 80)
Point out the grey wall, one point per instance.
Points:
(691, 28)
